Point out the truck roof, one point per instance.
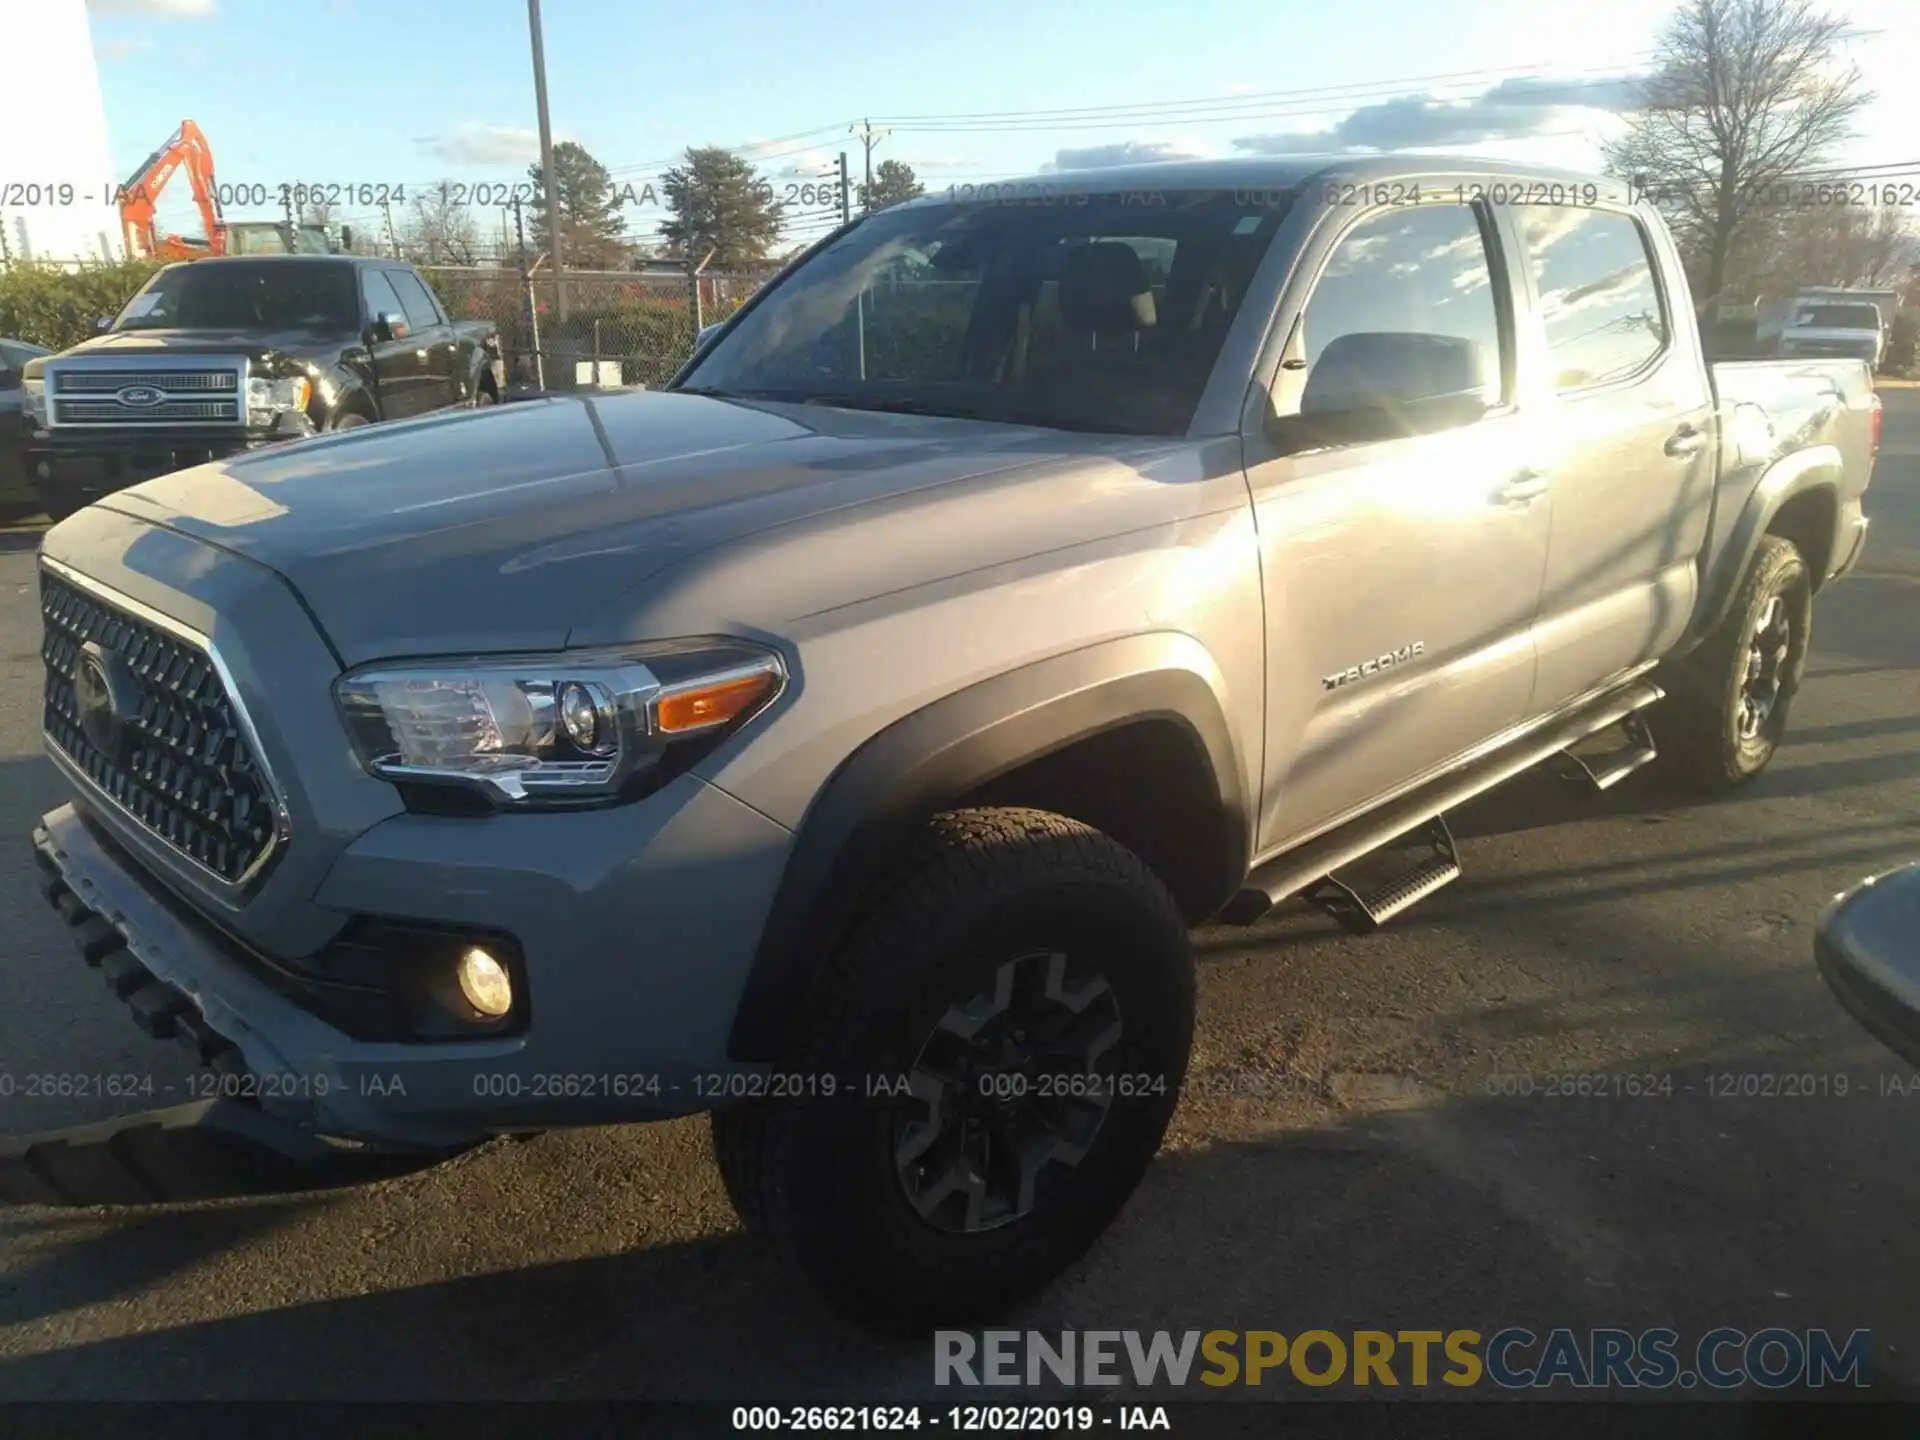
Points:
(1287, 171)
(361, 261)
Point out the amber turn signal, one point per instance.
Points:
(701, 707)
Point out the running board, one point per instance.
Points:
(1304, 869)
(1607, 768)
(1363, 905)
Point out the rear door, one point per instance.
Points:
(433, 335)
(400, 365)
(1633, 463)
(1401, 575)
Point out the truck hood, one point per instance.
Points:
(503, 529)
(267, 346)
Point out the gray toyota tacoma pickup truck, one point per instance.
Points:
(844, 739)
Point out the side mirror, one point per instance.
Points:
(389, 325)
(1867, 946)
(101, 324)
(1386, 385)
(706, 333)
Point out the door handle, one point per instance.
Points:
(1687, 440)
(1523, 489)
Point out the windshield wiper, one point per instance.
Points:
(998, 414)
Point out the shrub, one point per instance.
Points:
(1903, 346)
(47, 305)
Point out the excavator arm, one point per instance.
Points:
(187, 147)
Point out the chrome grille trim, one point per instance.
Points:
(202, 390)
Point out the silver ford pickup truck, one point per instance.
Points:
(844, 739)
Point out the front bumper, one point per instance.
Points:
(637, 931)
(83, 466)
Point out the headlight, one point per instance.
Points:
(34, 392)
(528, 730)
(269, 398)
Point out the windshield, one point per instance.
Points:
(1099, 312)
(221, 295)
(1840, 317)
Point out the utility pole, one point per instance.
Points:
(393, 243)
(533, 309)
(869, 137)
(546, 163)
(846, 200)
(286, 225)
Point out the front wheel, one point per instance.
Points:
(1730, 697)
(1006, 1035)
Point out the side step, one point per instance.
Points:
(1305, 869)
(1362, 910)
(1607, 767)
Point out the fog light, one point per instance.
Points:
(484, 982)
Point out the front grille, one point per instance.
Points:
(194, 395)
(1835, 348)
(184, 767)
(93, 412)
(69, 382)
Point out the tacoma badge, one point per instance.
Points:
(1368, 668)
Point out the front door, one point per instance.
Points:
(400, 369)
(1402, 575)
(431, 335)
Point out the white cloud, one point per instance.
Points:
(120, 49)
(1122, 152)
(1515, 109)
(476, 144)
(150, 8)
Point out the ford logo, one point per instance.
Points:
(138, 396)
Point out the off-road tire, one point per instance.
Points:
(1698, 727)
(818, 1177)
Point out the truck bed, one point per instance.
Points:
(1769, 408)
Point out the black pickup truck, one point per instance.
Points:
(217, 356)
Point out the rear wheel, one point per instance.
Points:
(1731, 695)
(1006, 1033)
(351, 420)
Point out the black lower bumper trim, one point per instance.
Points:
(210, 1149)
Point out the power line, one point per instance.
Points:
(1352, 90)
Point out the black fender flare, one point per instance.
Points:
(349, 392)
(924, 761)
(1815, 470)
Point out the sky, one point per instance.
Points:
(388, 93)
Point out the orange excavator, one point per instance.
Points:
(187, 147)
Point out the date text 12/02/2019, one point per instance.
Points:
(961, 1419)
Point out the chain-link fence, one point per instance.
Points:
(623, 327)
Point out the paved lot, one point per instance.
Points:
(1631, 937)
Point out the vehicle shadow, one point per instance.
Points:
(1463, 1206)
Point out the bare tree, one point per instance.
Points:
(439, 229)
(1745, 97)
